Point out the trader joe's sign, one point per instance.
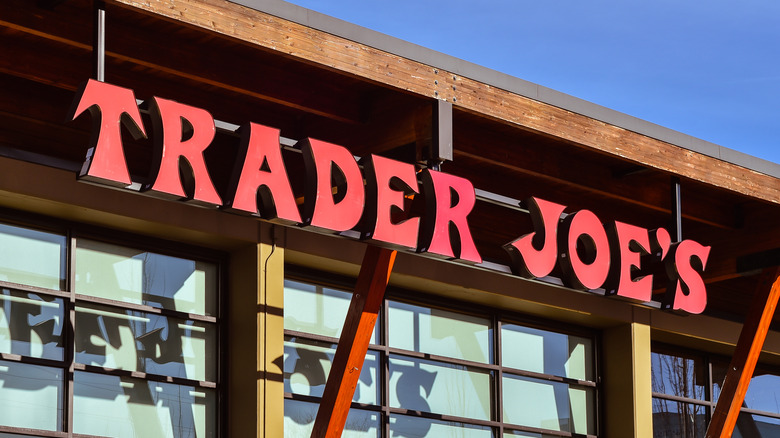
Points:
(370, 197)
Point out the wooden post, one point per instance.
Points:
(353, 343)
(743, 363)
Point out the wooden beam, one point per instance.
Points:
(353, 343)
(743, 363)
(340, 54)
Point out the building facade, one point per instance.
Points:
(188, 189)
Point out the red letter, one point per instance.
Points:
(584, 228)
(170, 120)
(684, 265)
(448, 200)
(262, 170)
(108, 105)
(534, 255)
(387, 181)
(628, 243)
(329, 167)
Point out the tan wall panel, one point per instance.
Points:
(627, 390)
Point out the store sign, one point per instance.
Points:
(376, 201)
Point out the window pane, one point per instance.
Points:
(307, 365)
(31, 324)
(548, 405)
(425, 385)
(32, 257)
(135, 276)
(762, 394)
(674, 419)
(13, 435)
(749, 426)
(129, 408)
(440, 332)
(517, 433)
(680, 375)
(315, 309)
(30, 396)
(545, 352)
(146, 342)
(416, 427)
(299, 420)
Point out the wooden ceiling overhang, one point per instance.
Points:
(245, 65)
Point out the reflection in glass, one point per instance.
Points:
(146, 342)
(675, 419)
(762, 394)
(416, 427)
(316, 309)
(749, 426)
(545, 352)
(307, 365)
(548, 405)
(439, 332)
(13, 435)
(30, 396)
(299, 420)
(680, 375)
(32, 257)
(133, 408)
(135, 276)
(31, 324)
(517, 433)
(429, 386)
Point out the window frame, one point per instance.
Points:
(72, 232)
(708, 360)
(495, 369)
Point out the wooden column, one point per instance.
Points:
(353, 343)
(743, 363)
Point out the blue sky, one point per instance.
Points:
(710, 69)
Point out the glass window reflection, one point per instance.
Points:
(441, 388)
(133, 408)
(675, 419)
(140, 277)
(546, 352)
(33, 258)
(31, 396)
(146, 342)
(299, 420)
(678, 374)
(317, 309)
(31, 324)
(521, 434)
(439, 332)
(751, 425)
(405, 426)
(307, 365)
(440, 364)
(548, 405)
(762, 394)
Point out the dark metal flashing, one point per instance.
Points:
(504, 81)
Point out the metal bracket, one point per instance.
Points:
(99, 39)
(676, 210)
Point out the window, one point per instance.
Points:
(433, 372)
(686, 386)
(104, 340)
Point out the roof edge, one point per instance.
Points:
(415, 52)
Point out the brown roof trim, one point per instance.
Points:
(377, 40)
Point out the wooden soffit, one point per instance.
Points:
(345, 56)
